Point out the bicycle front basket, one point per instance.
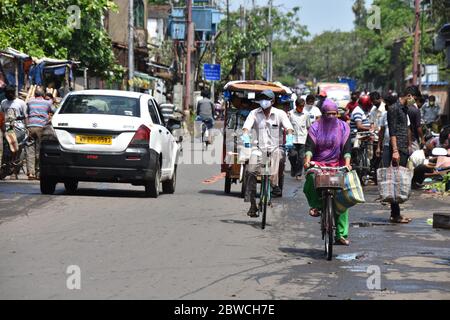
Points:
(326, 180)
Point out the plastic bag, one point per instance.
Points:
(352, 193)
(394, 184)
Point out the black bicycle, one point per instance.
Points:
(361, 160)
(13, 158)
(265, 191)
(327, 180)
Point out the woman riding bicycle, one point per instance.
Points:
(328, 144)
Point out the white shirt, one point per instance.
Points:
(313, 112)
(416, 159)
(301, 123)
(268, 130)
(376, 114)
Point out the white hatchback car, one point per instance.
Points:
(109, 136)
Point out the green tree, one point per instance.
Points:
(284, 28)
(389, 51)
(41, 28)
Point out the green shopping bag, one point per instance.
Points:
(351, 194)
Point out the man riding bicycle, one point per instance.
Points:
(205, 110)
(267, 122)
(360, 123)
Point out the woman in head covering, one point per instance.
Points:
(328, 144)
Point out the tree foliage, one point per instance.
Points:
(246, 43)
(42, 29)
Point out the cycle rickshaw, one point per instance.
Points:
(240, 97)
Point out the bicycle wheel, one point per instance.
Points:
(360, 166)
(265, 194)
(329, 218)
(366, 168)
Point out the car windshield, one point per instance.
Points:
(99, 104)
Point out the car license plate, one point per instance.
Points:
(93, 139)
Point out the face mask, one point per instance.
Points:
(265, 104)
(431, 103)
(410, 102)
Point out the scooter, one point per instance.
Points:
(14, 141)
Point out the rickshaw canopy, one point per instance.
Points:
(242, 94)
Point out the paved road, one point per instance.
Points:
(199, 244)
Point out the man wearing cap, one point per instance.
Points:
(267, 123)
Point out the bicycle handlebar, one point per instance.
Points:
(366, 133)
(315, 166)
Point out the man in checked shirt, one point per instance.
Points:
(400, 142)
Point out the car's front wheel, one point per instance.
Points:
(168, 186)
(48, 185)
(152, 186)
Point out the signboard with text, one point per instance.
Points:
(211, 72)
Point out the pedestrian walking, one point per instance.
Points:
(383, 148)
(376, 113)
(310, 109)
(301, 123)
(417, 138)
(430, 114)
(400, 142)
(39, 111)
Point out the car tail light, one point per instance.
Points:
(141, 137)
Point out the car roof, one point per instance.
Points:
(101, 92)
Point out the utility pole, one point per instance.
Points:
(228, 21)
(213, 49)
(130, 39)
(269, 57)
(422, 24)
(243, 25)
(328, 63)
(187, 86)
(416, 69)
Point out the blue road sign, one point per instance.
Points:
(211, 72)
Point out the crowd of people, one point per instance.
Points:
(401, 132)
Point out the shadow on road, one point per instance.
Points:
(315, 254)
(113, 193)
(221, 193)
(253, 223)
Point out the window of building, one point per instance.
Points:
(139, 14)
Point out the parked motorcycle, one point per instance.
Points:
(14, 141)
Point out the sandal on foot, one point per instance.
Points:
(253, 212)
(342, 242)
(400, 219)
(314, 212)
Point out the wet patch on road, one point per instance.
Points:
(17, 198)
